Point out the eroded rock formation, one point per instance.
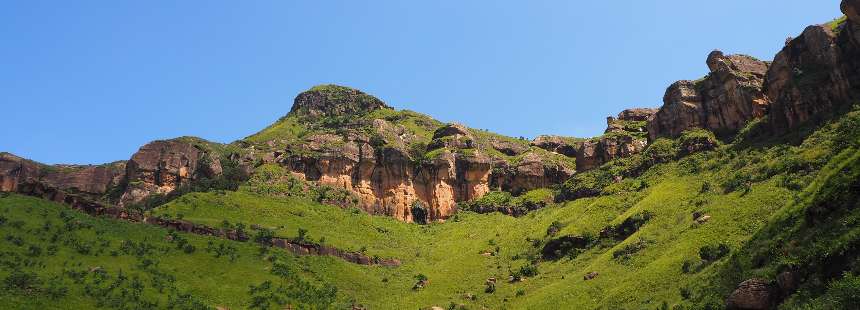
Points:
(389, 182)
(161, 167)
(816, 73)
(723, 102)
(625, 135)
(562, 145)
(93, 181)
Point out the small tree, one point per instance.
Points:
(264, 236)
(303, 234)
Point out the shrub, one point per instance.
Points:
(528, 271)
(661, 151)
(586, 184)
(713, 252)
(34, 251)
(303, 235)
(264, 236)
(22, 281)
(685, 293)
(554, 228)
(55, 289)
(630, 249)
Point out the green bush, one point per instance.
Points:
(22, 281)
(661, 151)
(506, 203)
(713, 252)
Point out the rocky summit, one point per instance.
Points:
(741, 190)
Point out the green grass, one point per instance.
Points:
(742, 189)
(70, 243)
(837, 23)
(450, 253)
(772, 206)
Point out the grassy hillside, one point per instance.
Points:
(55, 258)
(750, 191)
(405, 130)
(678, 226)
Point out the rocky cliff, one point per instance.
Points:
(399, 163)
(816, 73)
(722, 102)
(93, 181)
(625, 135)
(160, 167)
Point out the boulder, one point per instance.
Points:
(753, 294)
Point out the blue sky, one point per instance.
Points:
(91, 81)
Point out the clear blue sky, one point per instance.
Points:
(91, 81)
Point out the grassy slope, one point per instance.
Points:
(757, 192)
(210, 280)
(449, 254)
(746, 185)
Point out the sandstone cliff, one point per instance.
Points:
(625, 135)
(816, 73)
(160, 167)
(93, 181)
(400, 163)
(722, 102)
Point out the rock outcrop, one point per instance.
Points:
(15, 170)
(531, 172)
(722, 102)
(625, 135)
(88, 180)
(334, 101)
(394, 172)
(593, 153)
(816, 73)
(387, 179)
(161, 167)
(561, 145)
(753, 294)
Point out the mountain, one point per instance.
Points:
(741, 191)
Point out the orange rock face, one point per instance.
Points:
(388, 182)
(160, 167)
